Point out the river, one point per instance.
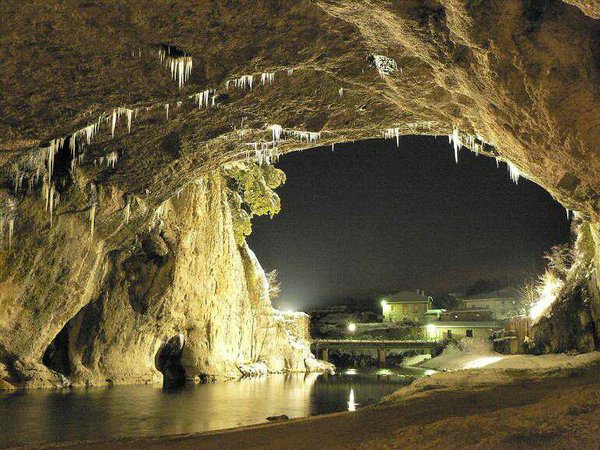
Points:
(44, 416)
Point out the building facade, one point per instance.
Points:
(502, 304)
(458, 330)
(406, 305)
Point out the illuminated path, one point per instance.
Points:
(322, 346)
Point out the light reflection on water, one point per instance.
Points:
(129, 411)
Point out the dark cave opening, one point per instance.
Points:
(56, 356)
(168, 361)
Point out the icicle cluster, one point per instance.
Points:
(384, 65)
(111, 159)
(264, 152)
(514, 172)
(202, 98)
(422, 125)
(391, 133)
(277, 131)
(180, 66)
(304, 136)
(267, 78)
(243, 82)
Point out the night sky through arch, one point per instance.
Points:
(371, 218)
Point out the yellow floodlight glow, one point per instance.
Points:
(431, 330)
(351, 327)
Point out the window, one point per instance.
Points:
(469, 333)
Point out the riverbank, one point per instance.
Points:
(479, 409)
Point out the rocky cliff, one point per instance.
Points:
(181, 296)
(110, 109)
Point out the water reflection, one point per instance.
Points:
(351, 403)
(92, 414)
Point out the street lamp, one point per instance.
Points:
(351, 327)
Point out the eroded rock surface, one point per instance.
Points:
(139, 250)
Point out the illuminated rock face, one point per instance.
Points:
(520, 75)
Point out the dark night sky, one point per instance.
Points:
(370, 218)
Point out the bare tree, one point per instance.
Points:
(274, 284)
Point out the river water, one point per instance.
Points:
(46, 416)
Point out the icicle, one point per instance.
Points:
(497, 163)
(308, 136)
(167, 110)
(114, 122)
(11, 231)
(290, 72)
(333, 146)
(341, 92)
(567, 209)
(267, 77)
(202, 97)
(129, 113)
(391, 133)
(111, 159)
(180, 66)
(277, 132)
(127, 211)
(243, 82)
(92, 219)
(455, 139)
(514, 172)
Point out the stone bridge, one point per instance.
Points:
(322, 346)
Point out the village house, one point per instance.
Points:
(502, 303)
(458, 329)
(406, 305)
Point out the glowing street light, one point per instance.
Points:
(351, 327)
(431, 330)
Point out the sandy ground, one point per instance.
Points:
(554, 407)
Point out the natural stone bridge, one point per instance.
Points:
(118, 222)
(322, 346)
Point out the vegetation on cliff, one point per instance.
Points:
(251, 192)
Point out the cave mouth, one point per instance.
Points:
(56, 356)
(365, 218)
(168, 362)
